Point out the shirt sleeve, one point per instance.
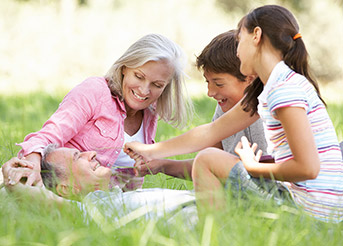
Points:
(76, 109)
(287, 95)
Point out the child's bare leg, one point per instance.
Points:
(211, 168)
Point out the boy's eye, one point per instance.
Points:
(219, 85)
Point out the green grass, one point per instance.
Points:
(244, 222)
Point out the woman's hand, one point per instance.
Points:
(247, 153)
(16, 169)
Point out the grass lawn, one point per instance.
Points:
(244, 222)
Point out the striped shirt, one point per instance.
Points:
(321, 197)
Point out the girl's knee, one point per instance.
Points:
(213, 161)
(203, 161)
(204, 157)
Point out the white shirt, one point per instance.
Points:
(123, 159)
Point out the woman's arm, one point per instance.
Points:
(76, 109)
(305, 164)
(197, 138)
(13, 170)
(34, 178)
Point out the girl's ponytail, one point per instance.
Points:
(297, 59)
(281, 28)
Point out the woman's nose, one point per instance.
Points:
(144, 89)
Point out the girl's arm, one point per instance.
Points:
(197, 138)
(176, 168)
(305, 164)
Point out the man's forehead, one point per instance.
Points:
(61, 154)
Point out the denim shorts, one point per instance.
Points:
(241, 183)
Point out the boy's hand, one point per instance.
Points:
(150, 167)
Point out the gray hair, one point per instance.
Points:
(173, 106)
(50, 172)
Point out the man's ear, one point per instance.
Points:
(66, 191)
(63, 190)
(257, 35)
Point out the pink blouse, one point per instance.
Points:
(89, 118)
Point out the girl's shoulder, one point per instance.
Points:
(290, 80)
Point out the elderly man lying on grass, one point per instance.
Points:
(76, 175)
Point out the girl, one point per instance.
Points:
(102, 113)
(307, 156)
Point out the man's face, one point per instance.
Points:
(83, 172)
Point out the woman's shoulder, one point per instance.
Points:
(94, 83)
(92, 91)
(96, 86)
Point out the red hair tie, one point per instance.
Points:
(296, 36)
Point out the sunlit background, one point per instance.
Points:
(52, 45)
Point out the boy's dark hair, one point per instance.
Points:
(50, 172)
(220, 56)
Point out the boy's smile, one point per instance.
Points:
(225, 88)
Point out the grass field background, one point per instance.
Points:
(244, 222)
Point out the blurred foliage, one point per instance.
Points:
(245, 6)
(58, 43)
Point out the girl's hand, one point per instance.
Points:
(247, 153)
(138, 150)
